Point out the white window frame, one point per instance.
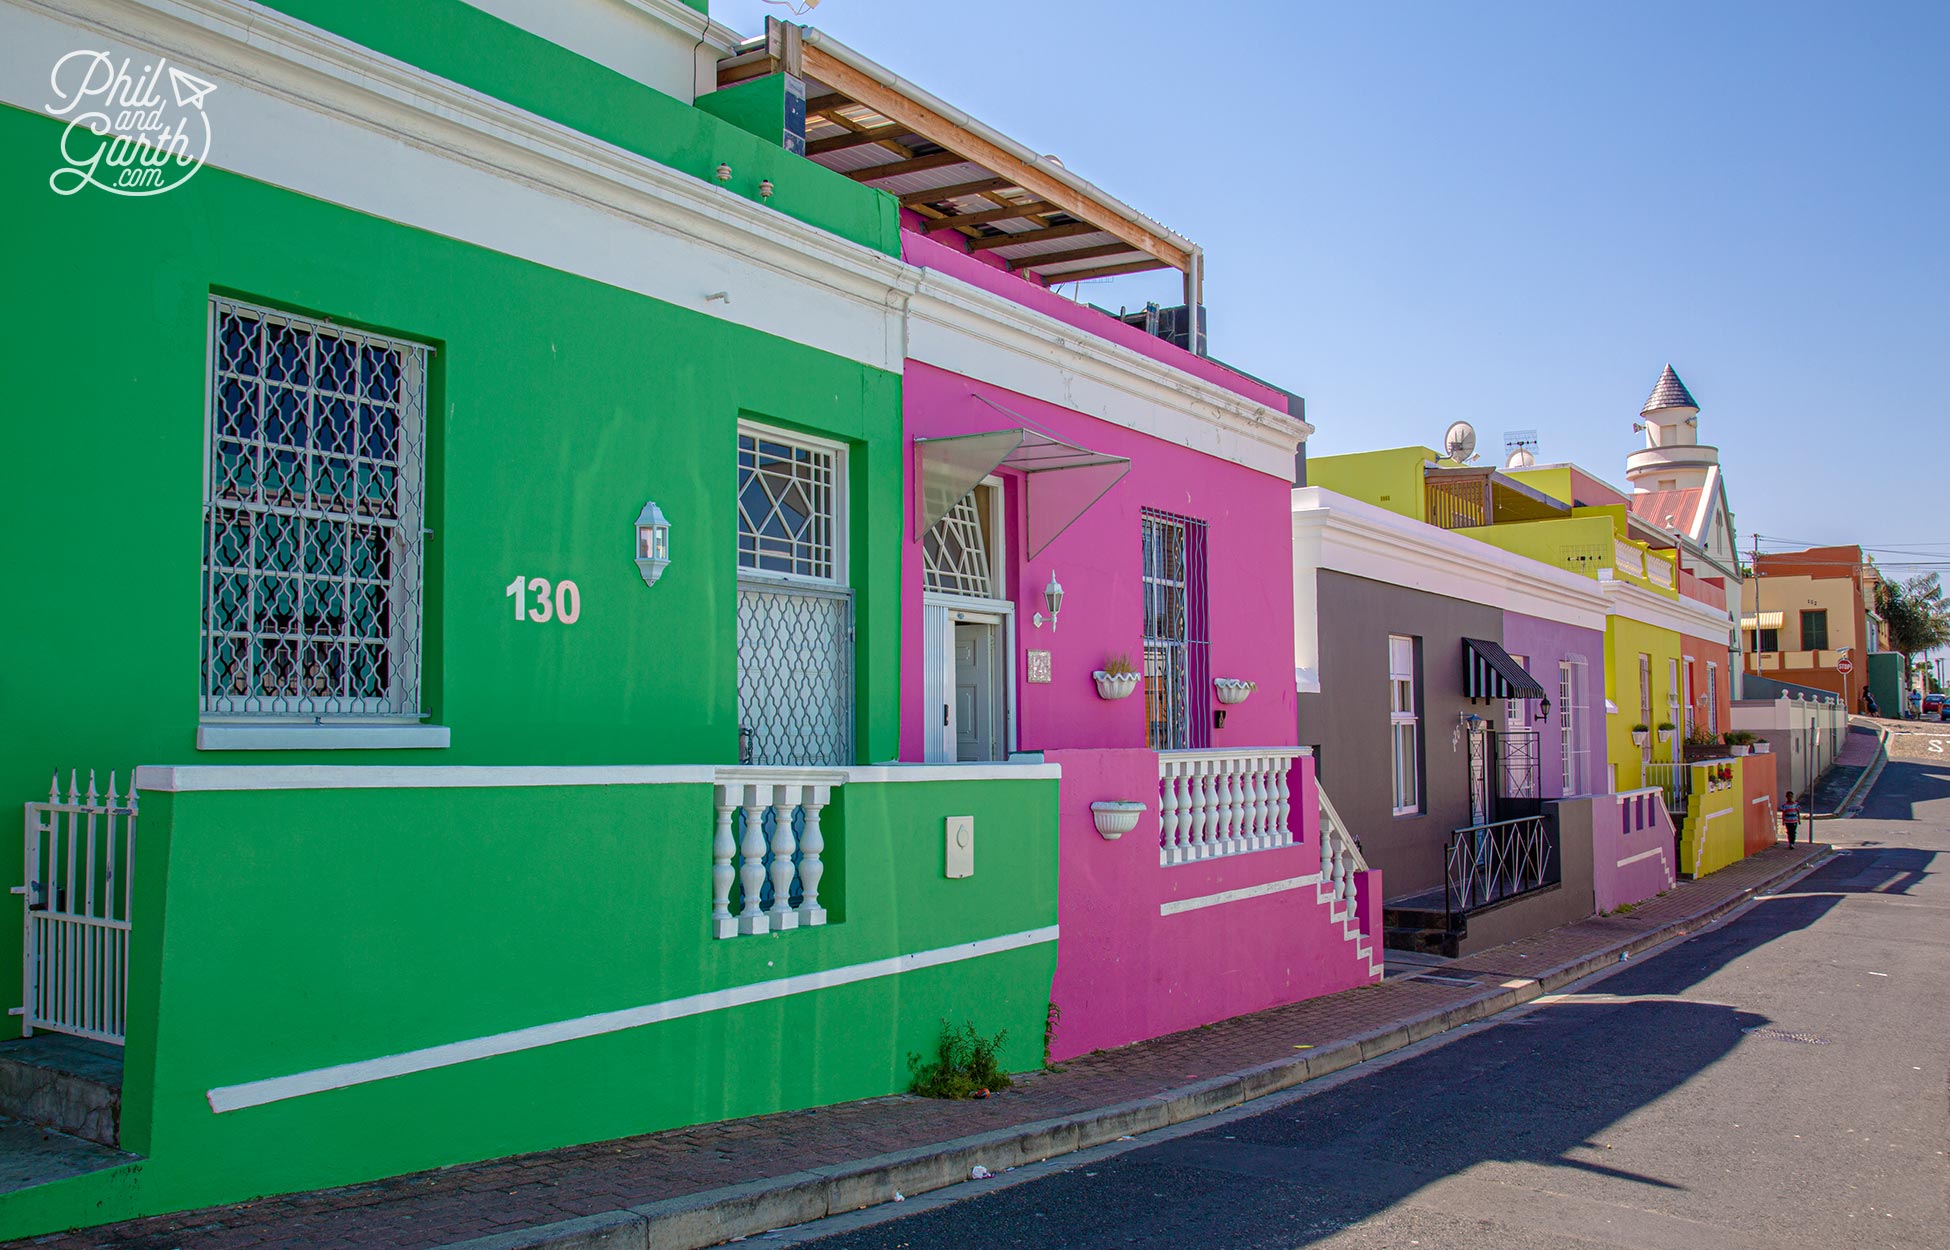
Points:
(1516, 712)
(1404, 725)
(1645, 705)
(1567, 728)
(1713, 698)
(251, 721)
(841, 528)
(939, 612)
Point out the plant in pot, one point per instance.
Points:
(1117, 678)
(1739, 740)
(1639, 733)
(1665, 731)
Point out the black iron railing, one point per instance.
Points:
(1501, 860)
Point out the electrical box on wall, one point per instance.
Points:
(961, 846)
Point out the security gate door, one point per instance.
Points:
(80, 878)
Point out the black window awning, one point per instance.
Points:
(1489, 672)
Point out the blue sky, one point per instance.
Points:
(1515, 214)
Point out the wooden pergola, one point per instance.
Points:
(955, 174)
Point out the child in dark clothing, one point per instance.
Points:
(1791, 816)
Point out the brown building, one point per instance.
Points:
(1809, 610)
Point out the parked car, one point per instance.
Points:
(1934, 709)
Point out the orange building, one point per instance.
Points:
(1812, 614)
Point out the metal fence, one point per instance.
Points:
(795, 674)
(1675, 779)
(1501, 860)
(80, 878)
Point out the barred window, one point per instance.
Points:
(313, 511)
(788, 497)
(955, 551)
(1177, 680)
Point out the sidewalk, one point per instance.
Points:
(698, 1186)
(1837, 787)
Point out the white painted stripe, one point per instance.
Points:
(196, 777)
(1633, 859)
(1765, 798)
(1178, 905)
(1622, 795)
(405, 777)
(239, 737)
(341, 1076)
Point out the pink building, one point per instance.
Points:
(1161, 514)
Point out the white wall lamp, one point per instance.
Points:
(652, 543)
(1053, 600)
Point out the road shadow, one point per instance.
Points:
(1905, 783)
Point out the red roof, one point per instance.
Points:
(1682, 506)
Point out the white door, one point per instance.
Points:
(978, 703)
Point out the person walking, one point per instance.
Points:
(1791, 816)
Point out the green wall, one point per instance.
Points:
(303, 929)
(558, 406)
(464, 45)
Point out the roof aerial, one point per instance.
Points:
(1669, 393)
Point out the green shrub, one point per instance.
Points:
(965, 1064)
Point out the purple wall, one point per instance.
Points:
(1544, 644)
(1632, 848)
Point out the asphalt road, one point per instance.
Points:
(1780, 1081)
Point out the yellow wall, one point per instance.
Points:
(1555, 482)
(1625, 640)
(1390, 479)
(1791, 596)
(1580, 543)
(1714, 834)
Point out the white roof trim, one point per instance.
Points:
(1332, 531)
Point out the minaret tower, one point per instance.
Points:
(1673, 458)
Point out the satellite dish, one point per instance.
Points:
(1459, 442)
(1520, 459)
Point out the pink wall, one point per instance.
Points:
(1708, 590)
(1702, 653)
(919, 249)
(1099, 563)
(1632, 848)
(1124, 972)
(1544, 644)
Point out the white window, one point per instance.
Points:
(1713, 699)
(1404, 729)
(1691, 711)
(968, 631)
(1516, 712)
(1645, 705)
(795, 612)
(1568, 718)
(313, 508)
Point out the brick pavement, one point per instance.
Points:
(432, 1209)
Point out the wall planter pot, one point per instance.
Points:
(1638, 737)
(1233, 690)
(1114, 819)
(1763, 748)
(1665, 736)
(1118, 687)
(1738, 749)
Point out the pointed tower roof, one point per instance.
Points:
(1669, 393)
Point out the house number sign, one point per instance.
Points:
(561, 603)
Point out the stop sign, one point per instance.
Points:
(1844, 666)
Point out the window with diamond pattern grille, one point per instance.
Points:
(313, 513)
(795, 619)
(955, 552)
(786, 514)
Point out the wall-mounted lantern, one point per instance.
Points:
(1053, 600)
(652, 543)
(1544, 708)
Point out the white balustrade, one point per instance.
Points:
(787, 860)
(1628, 558)
(1340, 854)
(1658, 571)
(1213, 803)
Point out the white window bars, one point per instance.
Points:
(955, 551)
(1492, 862)
(790, 506)
(768, 820)
(314, 488)
(1177, 682)
(1213, 803)
(79, 890)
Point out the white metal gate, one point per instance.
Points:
(79, 885)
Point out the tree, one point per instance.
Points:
(1917, 615)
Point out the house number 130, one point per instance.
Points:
(565, 605)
